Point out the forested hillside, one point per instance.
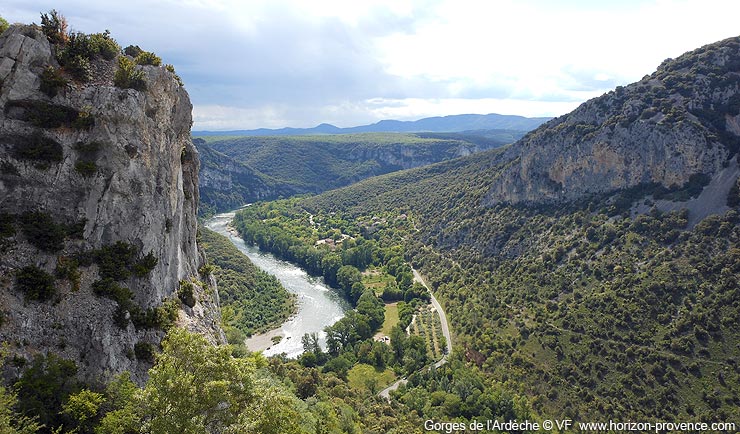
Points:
(594, 301)
(235, 171)
(252, 301)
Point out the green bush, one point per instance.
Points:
(77, 229)
(185, 293)
(109, 288)
(144, 351)
(145, 265)
(42, 232)
(47, 115)
(3, 25)
(7, 168)
(35, 283)
(44, 388)
(68, 268)
(115, 260)
(104, 45)
(206, 270)
(88, 148)
(7, 229)
(163, 316)
(171, 69)
(54, 26)
(127, 76)
(79, 67)
(148, 58)
(86, 168)
(37, 148)
(51, 81)
(81, 49)
(85, 120)
(42, 114)
(733, 197)
(132, 50)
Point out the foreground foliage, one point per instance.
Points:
(195, 387)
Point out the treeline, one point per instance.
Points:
(337, 251)
(194, 387)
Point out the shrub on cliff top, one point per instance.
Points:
(3, 25)
(81, 49)
(127, 76)
(132, 50)
(148, 58)
(54, 26)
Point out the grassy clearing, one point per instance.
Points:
(376, 280)
(391, 318)
(366, 377)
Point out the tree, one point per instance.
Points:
(44, 387)
(330, 264)
(12, 422)
(398, 342)
(347, 276)
(404, 280)
(415, 354)
(195, 387)
(54, 26)
(83, 408)
(310, 343)
(370, 306)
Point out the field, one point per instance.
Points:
(366, 377)
(391, 318)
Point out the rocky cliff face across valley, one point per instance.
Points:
(246, 169)
(99, 193)
(225, 183)
(678, 123)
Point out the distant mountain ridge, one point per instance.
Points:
(437, 124)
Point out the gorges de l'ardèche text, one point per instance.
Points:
(588, 268)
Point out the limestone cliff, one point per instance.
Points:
(113, 175)
(226, 184)
(679, 122)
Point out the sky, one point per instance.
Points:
(277, 63)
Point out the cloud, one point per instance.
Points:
(280, 63)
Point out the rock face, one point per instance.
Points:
(226, 184)
(679, 122)
(118, 163)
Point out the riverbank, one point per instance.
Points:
(318, 306)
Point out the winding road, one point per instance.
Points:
(386, 393)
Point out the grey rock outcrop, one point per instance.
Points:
(130, 175)
(678, 122)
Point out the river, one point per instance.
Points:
(318, 305)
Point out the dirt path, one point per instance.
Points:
(386, 393)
